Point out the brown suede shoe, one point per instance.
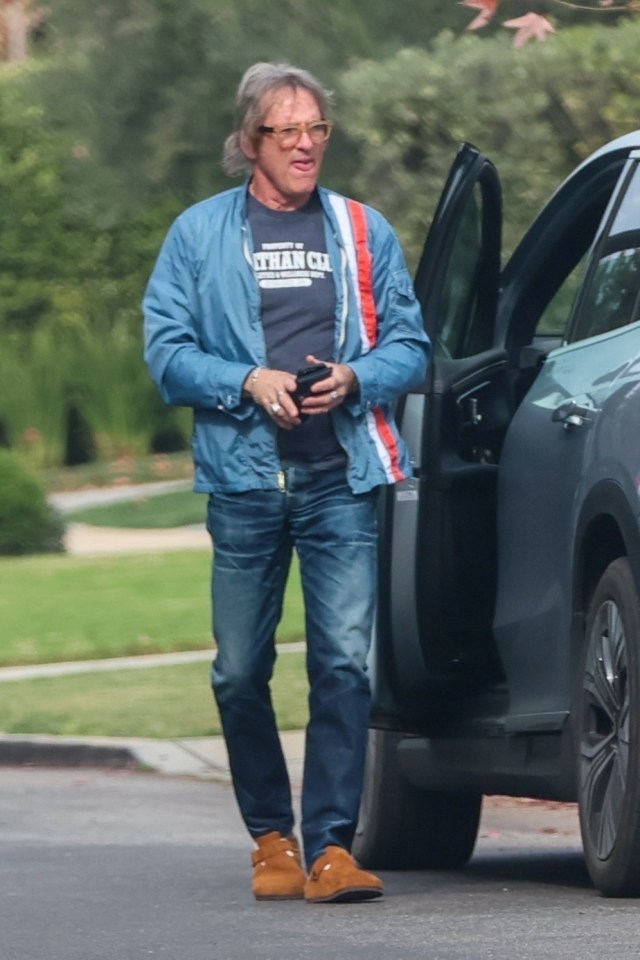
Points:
(277, 871)
(336, 878)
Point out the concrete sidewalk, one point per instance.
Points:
(82, 540)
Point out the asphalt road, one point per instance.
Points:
(115, 865)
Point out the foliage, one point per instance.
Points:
(537, 116)
(70, 288)
(27, 523)
(94, 375)
(32, 221)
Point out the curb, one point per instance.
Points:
(203, 758)
(60, 751)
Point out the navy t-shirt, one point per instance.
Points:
(298, 299)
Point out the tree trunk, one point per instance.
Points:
(15, 27)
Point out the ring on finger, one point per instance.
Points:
(275, 407)
(334, 394)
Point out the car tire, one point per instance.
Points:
(609, 738)
(402, 827)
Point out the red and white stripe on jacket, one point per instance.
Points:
(352, 222)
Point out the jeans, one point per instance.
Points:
(334, 534)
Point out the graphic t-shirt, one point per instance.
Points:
(298, 299)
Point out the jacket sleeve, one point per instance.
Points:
(185, 374)
(398, 360)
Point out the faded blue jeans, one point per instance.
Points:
(334, 534)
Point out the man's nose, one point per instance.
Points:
(305, 140)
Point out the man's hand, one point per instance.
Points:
(272, 390)
(330, 392)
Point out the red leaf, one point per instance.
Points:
(532, 26)
(487, 10)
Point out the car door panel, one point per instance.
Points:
(450, 501)
(437, 583)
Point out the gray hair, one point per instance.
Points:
(251, 107)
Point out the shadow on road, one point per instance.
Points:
(550, 868)
(565, 868)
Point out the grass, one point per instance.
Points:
(125, 470)
(158, 702)
(176, 509)
(55, 608)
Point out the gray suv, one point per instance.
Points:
(507, 655)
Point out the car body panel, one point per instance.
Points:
(547, 466)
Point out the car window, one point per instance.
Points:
(458, 289)
(545, 276)
(611, 298)
(553, 319)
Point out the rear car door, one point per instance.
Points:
(571, 440)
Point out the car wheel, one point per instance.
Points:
(401, 827)
(609, 744)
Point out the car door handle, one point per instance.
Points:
(571, 414)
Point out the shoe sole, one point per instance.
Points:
(284, 896)
(350, 895)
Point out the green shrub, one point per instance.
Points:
(28, 524)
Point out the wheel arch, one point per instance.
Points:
(607, 529)
(609, 745)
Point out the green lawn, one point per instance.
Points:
(129, 469)
(176, 509)
(58, 607)
(171, 701)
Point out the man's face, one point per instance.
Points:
(285, 177)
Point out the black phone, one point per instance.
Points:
(307, 376)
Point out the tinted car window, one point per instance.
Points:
(459, 290)
(546, 273)
(611, 298)
(553, 319)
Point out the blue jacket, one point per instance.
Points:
(203, 335)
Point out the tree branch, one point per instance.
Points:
(596, 9)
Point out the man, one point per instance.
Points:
(251, 285)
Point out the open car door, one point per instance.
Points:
(438, 562)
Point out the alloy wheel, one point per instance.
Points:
(604, 741)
